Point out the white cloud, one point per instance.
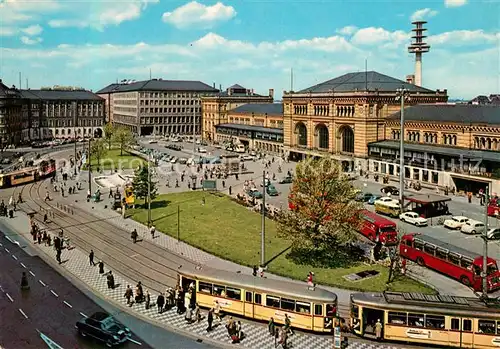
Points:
(454, 3)
(372, 35)
(196, 14)
(30, 41)
(33, 30)
(15, 11)
(8, 31)
(464, 37)
(422, 14)
(348, 30)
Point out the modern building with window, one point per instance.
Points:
(256, 126)
(341, 116)
(446, 145)
(216, 107)
(13, 116)
(157, 106)
(64, 112)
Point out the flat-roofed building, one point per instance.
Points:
(157, 106)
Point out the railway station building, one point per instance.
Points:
(156, 106)
(13, 116)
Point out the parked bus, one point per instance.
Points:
(309, 308)
(450, 260)
(387, 206)
(375, 227)
(438, 320)
(494, 207)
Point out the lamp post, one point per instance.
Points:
(484, 272)
(90, 168)
(263, 228)
(149, 191)
(74, 131)
(402, 94)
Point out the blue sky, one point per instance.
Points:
(254, 43)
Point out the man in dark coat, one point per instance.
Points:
(101, 267)
(160, 301)
(210, 319)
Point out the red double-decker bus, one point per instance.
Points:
(376, 227)
(450, 260)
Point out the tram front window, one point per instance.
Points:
(331, 310)
(355, 311)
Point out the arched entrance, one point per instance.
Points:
(301, 134)
(322, 137)
(346, 139)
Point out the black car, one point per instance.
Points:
(286, 180)
(104, 328)
(363, 197)
(390, 190)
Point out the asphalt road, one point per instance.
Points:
(458, 205)
(25, 314)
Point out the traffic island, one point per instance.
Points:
(224, 228)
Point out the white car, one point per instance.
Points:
(413, 218)
(493, 234)
(472, 227)
(246, 158)
(173, 160)
(153, 141)
(455, 222)
(202, 150)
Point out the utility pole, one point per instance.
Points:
(194, 128)
(74, 129)
(263, 228)
(178, 222)
(484, 273)
(402, 94)
(149, 191)
(90, 169)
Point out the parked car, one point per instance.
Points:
(493, 234)
(374, 198)
(266, 182)
(254, 193)
(153, 141)
(413, 218)
(104, 328)
(271, 190)
(173, 160)
(455, 222)
(390, 190)
(472, 227)
(246, 158)
(183, 161)
(202, 150)
(286, 180)
(363, 197)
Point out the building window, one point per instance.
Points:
(322, 136)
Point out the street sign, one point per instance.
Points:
(210, 184)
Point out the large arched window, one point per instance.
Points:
(322, 137)
(347, 139)
(301, 132)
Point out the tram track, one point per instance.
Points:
(153, 265)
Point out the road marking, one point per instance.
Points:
(134, 341)
(134, 255)
(82, 314)
(14, 257)
(8, 238)
(32, 273)
(17, 243)
(43, 284)
(69, 305)
(6, 250)
(22, 312)
(1, 245)
(55, 294)
(9, 297)
(22, 264)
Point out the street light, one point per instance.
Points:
(90, 170)
(402, 94)
(263, 223)
(484, 272)
(149, 191)
(74, 130)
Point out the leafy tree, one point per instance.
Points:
(323, 210)
(140, 183)
(98, 150)
(123, 136)
(109, 130)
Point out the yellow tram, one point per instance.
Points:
(259, 298)
(24, 176)
(444, 321)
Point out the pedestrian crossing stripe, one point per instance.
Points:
(51, 344)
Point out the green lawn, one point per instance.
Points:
(228, 230)
(113, 160)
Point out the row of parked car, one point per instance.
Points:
(471, 226)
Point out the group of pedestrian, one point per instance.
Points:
(281, 334)
(234, 330)
(5, 210)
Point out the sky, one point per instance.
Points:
(254, 43)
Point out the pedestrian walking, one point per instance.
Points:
(111, 280)
(288, 325)
(230, 190)
(58, 256)
(271, 326)
(133, 235)
(197, 313)
(217, 311)
(378, 330)
(254, 270)
(91, 258)
(128, 295)
(45, 218)
(210, 319)
(189, 316)
(148, 300)
(152, 230)
(160, 302)
(283, 334)
(101, 267)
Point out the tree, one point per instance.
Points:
(322, 219)
(109, 130)
(123, 137)
(98, 150)
(140, 183)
